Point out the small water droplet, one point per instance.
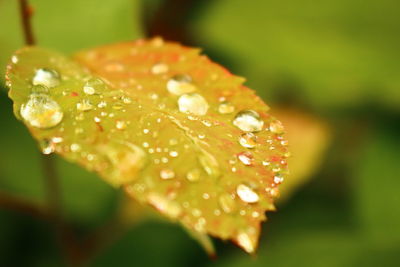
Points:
(84, 105)
(247, 194)
(226, 108)
(164, 205)
(120, 125)
(180, 84)
(278, 179)
(248, 140)
(126, 100)
(159, 68)
(75, 147)
(14, 59)
(102, 104)
(276, 127)
(193, 103)
(227, 203)
(167, 174)
(273, 192)
(246, 158)
(173, 154)
(248, 121)
(41, 111)
(193, 175)
(47, 147)
(47, 77)
(93, 85)
(57, 140)
(97, 119)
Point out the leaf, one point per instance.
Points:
(176, 131)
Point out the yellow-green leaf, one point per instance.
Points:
(176, 131)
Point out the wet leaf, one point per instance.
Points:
(174, 130)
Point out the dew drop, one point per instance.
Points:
(41, 111)
(173, 154)
(248, 140)
(193, 103)
(246, 158)
(247, 194)
(120, 125)
(47, 77)
(93, 85)
(180, 84)
(159, 68)
(248, 121)
(167, 174)
(245, 242)
(164, 205)
(226, 108)
(84, 105)
(193, 175)
(276, 127)
(278, 179)
(47, 147)
(75, 147)
(227, 203)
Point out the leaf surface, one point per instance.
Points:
(174, 130)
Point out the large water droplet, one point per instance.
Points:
(47, 77)
(247, 194)
(227, 203)
(193, 103)
(248, 140)
(248, 121)
(180, 84)
(41, 111)
(226, 108)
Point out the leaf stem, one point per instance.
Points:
(26, 12)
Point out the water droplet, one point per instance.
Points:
(247, 194)
(248, 121)
(193, 175)
(126, 100)
(14, 59)
(102, 104)
(57, 140)
(47, 77)
(47, 147)
(120, 125)
(273, 192)
(97, 119)
(75, 147)
(159, 68)
(245, 242)
(167, 174)
(173, 154)
(93, 85)
(248, 140)
(84, 105)
(246, 158)
(276, 127)
(41, 111)
(193, 103)
(227, 203)
(180, 84)
(278, 179)
(226, 108)
(164, 205)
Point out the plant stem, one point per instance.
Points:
(26, 13)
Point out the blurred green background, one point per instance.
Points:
(329, 69)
